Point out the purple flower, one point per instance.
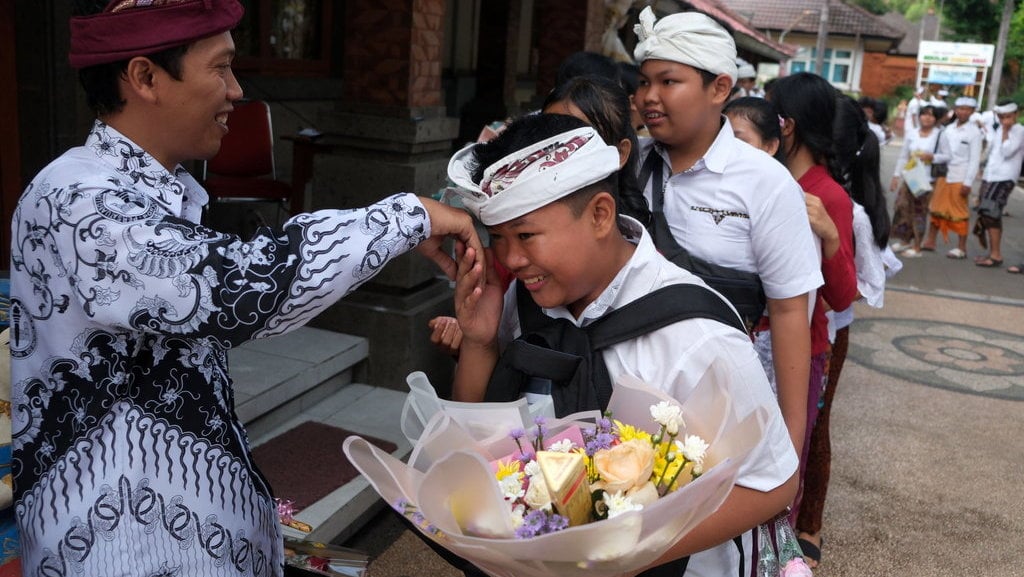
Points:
(604, 425)
(539, 522)
(525, 458)
(598, 442)
(517, 434)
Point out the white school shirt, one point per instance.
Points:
(740, 208)
(914, 142)
(1005, 156)
(914, 111)
(673, 359)
(129, 458)
(960, 146)
(873, 268)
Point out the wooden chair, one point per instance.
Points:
(243, 169)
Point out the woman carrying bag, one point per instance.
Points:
(910, 217)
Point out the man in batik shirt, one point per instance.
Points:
(129, 458)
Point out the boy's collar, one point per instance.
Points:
(716, 157)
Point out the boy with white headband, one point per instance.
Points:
(960, 151)
(1001, 173)
(722, 200)
(545, 189)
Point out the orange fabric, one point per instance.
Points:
(949, 212)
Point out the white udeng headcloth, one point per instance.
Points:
(966, 101)
(534, 176)
(1006, 108)
(690, 38)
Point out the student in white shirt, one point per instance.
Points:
(960, 150)
(557, 229)
(725, 201)
(1006, 153)
(910, 211)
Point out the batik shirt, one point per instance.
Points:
(129, 458)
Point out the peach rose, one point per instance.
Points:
(624, 466)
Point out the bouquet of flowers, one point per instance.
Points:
(619, 492)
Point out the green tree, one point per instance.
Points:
(971, 20)
(874, 6)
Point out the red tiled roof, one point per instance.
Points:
(844, 19)
(719, 10)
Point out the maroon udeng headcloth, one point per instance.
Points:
(129, 28)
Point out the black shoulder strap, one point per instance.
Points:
(658, 309)
(654, 165)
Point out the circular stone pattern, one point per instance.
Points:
(944, 355)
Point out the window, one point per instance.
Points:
(836, 66)
(289, 37)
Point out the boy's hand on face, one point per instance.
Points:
(478, 298)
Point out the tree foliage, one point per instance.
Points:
(971, 20)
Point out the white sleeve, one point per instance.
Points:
(658, 358)
(868, 260)
(783, 244)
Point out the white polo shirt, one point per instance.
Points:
(740, 208)
(1005, 156)
(673, 359)
(960, 146)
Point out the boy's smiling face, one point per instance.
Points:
(556, 255)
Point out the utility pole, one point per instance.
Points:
(997, 65)
(819, 59)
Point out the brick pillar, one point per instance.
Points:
(390, 134)
(564, 27)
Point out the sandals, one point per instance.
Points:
(989, 262)
(911, 253)
(1017, 269)
(956, 253)
(811, 551)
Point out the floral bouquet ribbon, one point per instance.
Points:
(449, 490)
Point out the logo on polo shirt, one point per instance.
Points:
(719, 214)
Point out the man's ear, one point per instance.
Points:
(603, 213)
(141, 78)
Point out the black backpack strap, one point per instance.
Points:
(664, 306)
(649, 313)
(654, 166)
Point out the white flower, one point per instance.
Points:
(537, 496)
(517, 513)
(531, 469)
(511, 487)
(618, 503)
(667, 415)
(693, 448)
(563, 446)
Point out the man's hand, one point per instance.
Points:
(446, 221)
(965, 190)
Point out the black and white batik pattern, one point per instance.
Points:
(128, 456)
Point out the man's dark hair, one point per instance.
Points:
(101, 82)
(529, 130)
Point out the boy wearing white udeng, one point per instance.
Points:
(548, 202)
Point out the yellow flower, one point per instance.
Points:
(508, 468)
(629, 432)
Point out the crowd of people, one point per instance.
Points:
(767, 203)
(951, 149)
